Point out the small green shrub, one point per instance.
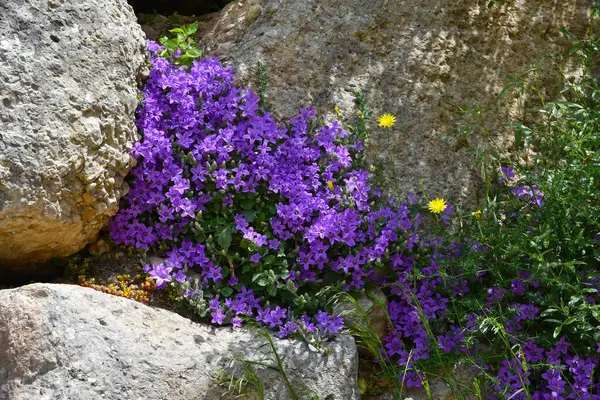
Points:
(182, 48)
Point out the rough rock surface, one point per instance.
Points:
(69, 342)
(420, 60)
(68, 72)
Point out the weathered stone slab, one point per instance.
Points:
(68, 342)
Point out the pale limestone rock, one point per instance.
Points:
(68, 72)
(73, 343)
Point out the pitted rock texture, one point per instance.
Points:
(420, 60)
(68, 342)
(68, 93)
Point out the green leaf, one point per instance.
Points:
(548, 311)
(262, 282)
(291, 287)
(574, 300)
(269, 260)
(250, 215)
(557, 331)
(518, 138)
(194, 52)
(191, 28)
(224, 238)
(226, 291)
(247, 203)
(570, 320)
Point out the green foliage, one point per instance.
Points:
(550, 242)
(553, 247)
(262, 79)
(182, 48)
(174, 19)
(558, 244)
(358, 131)
(77, 266)
(366, 336)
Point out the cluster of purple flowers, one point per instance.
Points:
(260, 214)
(514, 375)
(206, 151)
(530, 193)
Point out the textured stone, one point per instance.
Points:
(420, 60)
(68, 342)
(68, 71)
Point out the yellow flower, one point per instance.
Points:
(477, 214)
(330, 184)
(386, 121)
(337, 110)
(437, 206)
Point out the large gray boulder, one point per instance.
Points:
(68, 72)
(421, 60)
(68, 342)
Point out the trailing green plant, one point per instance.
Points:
(77, 266)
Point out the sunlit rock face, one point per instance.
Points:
(422, 61)
(68, 94)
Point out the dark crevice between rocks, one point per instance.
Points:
(12, 276)
(181, 7)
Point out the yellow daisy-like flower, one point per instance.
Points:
(330, 184)
(477, 214)
(438, 205)
(386, 121)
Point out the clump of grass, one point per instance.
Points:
(242, 377)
